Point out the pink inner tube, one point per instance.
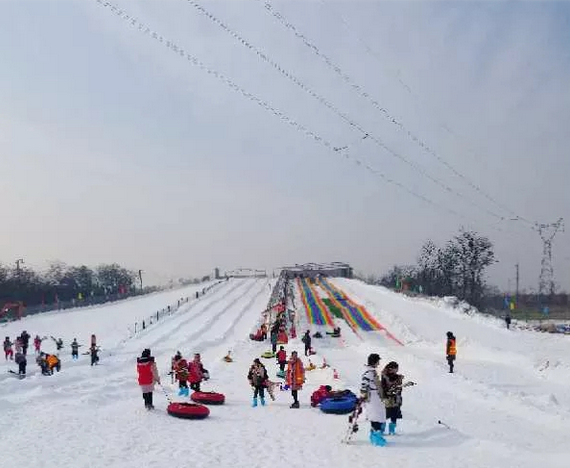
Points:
(188, 411)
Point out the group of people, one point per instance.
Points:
(47, 362)
(259, 381)
(193, 373)
(382, 392)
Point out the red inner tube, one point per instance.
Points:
(188, 411)
(208, 398)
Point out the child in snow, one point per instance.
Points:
(257, 377)
(22, 362)
(392, 385)
(295, 377)
(181, 371)
(319, 395)
(58, 343)
(451, 351)
(37, 344)
(19, 345)
(147, 377)
(371, 392)
(307, 340)
(8, 351)
(75, 349)
(94, 351)
(196, 373)
(282, 359)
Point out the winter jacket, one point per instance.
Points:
(147, 373)
(371, 391)
(257, 375)
(392, 389)
(319, 395)
(273, 337)
(52, 361)
(451, 348)
(75, 347)
(307, 340)
(25, 338)
(281, 356)
(20, 358)
(295, 377)
(195, 372)
(181, 370)
(7, 345)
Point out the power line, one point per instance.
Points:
(289, 75)
(182, 53)
(366, 95)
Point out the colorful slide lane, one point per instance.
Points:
(356, 315)
(317, 312)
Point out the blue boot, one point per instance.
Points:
(262, 401)
(382, 428)
(181, 392)
(186, 392)
(254, 402)
(392, 428)
(377, 439)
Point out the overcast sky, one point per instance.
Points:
(113, 148)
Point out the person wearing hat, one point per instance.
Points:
(257, 377)
(371, 393)
(451, 351)
(147, 377)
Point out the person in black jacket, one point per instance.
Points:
(22, 362)
(75, 349)
(307, 340)
(25, 337)
(257, 377)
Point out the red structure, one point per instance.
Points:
(16, 308)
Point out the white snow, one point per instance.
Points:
(504, 405)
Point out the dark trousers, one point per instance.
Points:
(282, 366)
(307, 349)
(147, 397)
(295, 395)
(377, 426)
(25, 349)
(259, 391)
(195, 386)
(274, 347)
(22, 368)
(182, 384)
(450, 361)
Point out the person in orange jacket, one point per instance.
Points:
(295, 377)
(451, 351)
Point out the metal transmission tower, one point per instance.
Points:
(547, 233)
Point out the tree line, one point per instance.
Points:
(61, 282)
(456, 268)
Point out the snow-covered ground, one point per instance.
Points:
(505, 405)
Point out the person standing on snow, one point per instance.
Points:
(37, 344)
(371, 393)
(8, 351)
(25, 337)
(181, 371)
(147, 377)
(257, 377)
(508, 320)
(273, 338)
(75, 349)
(392, 385)
(196, 373)
(282, 358)
(307, 340)
(94, 351)
(295, 377)
(451, 351)
(22, 362)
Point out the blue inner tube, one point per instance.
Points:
(339, 405)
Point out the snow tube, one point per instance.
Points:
(188, 411)
(268, 355)
(208, 398)
(338, 405)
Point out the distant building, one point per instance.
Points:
(311, 270)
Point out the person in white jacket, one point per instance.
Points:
(371, 393)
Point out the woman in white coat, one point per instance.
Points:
(371, 392)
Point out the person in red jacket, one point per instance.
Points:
(282, 358)
(195, 373)
(148, 376)
(181, 370)
(37, 344)
(319, 395)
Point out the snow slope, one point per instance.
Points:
(502, 410)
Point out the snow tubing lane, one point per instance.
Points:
(188, 411)
(338, 405)
(208, 398)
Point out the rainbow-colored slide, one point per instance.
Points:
(317, 312)
(355, 315)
